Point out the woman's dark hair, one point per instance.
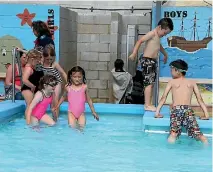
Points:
(74, 70)
(49, 51)
(41, 28)
(21, 52)
(47, 80)
(119, 64)
(166, 23)
(180, 65)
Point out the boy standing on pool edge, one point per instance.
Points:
(181, 113)
(149, 59)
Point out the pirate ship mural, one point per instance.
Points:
(191, 41)
(190, 45)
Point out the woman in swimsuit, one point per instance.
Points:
(9, 78)
(31, 77)
(42, 99)
(77, 92)
(51, 67)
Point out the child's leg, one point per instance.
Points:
(57, 96)
(148, 98)
(28, 97)
(71, 120)
(176, 119)
(82, 121)
(47, 120)
(149, 67)
(172, 137)
(192, 127)
(33, 121)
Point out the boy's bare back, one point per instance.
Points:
(182, 91)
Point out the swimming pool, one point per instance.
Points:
(115, 143)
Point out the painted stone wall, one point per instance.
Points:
(15, 22)
(93, 40)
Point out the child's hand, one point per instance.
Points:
(204, 118)
(158, 115)
(54, 109)
(96, 116)
(18, 49)
(132, 56)
(33, 89)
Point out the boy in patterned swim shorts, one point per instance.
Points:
(149, 60)
(182, 114)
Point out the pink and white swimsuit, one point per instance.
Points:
(76, 100)
(40, 109)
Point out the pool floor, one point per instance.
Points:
(114, 144)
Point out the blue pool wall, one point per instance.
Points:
(8, 110)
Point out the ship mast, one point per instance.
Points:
(209, 28)
(182, 28)
(195, 25)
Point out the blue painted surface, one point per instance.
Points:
(11, 25)
(148, 119)
(200, 62)
(9, 109)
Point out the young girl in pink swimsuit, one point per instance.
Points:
(77, 93)
(43, 98)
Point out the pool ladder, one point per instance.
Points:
(15, 59)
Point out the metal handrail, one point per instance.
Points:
(132, 9)
(14, 51)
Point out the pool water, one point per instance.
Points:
(114, 144)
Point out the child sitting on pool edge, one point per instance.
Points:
(42, 99)
(77, 93)
(182, 113)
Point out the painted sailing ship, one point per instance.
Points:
(190, 45)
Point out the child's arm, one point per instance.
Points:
(19, 49)
(162, 50)
(89, 101)
(61, 99)
(200, 101)
(61, 70)
(143, 39)
(8, 79)
(163, 99)
(37, 98)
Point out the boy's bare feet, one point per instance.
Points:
(150, 108)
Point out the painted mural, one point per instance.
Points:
(191, 40)
(15, 28)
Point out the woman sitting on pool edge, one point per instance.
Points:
(77, 93)
(36, 111)
(182, 113)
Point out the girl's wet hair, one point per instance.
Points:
(74, 70)
(47, 80)
(49, 50)
(41, 28)
(34, 54)
(119, 64)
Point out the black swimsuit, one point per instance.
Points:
(34, 79)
